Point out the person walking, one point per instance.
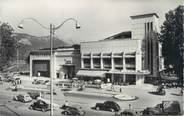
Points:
(120, 90)
(130, 106)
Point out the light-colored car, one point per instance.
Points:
(23, 98)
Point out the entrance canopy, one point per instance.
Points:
(129, 72)
(91, 73)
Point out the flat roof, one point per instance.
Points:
(144, 15)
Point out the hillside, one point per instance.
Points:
(28, 42)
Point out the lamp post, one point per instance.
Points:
(52, 29)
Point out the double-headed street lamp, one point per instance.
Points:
(52, 29)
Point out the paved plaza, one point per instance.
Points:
(88, 98)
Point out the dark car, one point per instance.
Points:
(8, 79)
(128, 112)
(73, 111)
(164, 108)
(34, 94)
(36, 81)
(107, 106)
(40, 105)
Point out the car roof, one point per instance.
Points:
(110, 102)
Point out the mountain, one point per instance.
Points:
(27, 42)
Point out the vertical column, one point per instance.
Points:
(101, 61)
(112, 78)
(82, 61)
(124, 64)
(138, 61)
(124, 78)
(31, 66)
(91, 58)
(112, 61)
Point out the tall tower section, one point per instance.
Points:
(145, 27)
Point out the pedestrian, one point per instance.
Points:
(120, 90)
(112, 87)
(130, 106)
(181, 92)
(66, 103)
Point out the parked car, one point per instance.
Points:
(8, 79)
(54, 93)
(46, 82)
(107, 106)
(55, 106)
(36, 81)
(17, 81)
(73, 111)
(23, 98)
(164, 108)
(159, 91)
(40, 105)
(128, 112)
(34, 94)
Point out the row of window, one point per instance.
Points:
(118, 63)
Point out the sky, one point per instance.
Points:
(99, 19)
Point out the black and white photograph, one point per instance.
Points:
(91, 57)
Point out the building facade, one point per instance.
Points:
(66, 62)
(127, 57)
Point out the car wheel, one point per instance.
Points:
(151, 113)
(83, 113)
(112, 110)
(30, 107)
(14, 99)
(65, 113)
(43, 109)
(97, 108)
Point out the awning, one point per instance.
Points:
(91, 73)
(170, 78)
(129, 72)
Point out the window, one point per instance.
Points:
(151, 25)
(148, 26)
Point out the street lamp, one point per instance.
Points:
(52, 29)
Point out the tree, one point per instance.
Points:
(8, 45)
(172, 40)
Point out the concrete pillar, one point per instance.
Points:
(139, 79)
(112, 61)
(91, 58)
(138, 61)
(124, 78)
(31, 66)
(124, 63)
(82, 61)
(112, 78)
(101, 61)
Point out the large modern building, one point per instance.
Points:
(66, 62)
(128, 57)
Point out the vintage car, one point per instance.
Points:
(164, 108)
(107, 106)
(159, 91)
(73, 111)
(23, 98)
(40, 105)
(128, 112)
(34, 94)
